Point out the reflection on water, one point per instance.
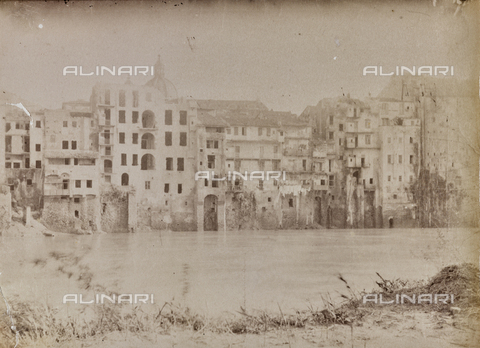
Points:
(215, 272)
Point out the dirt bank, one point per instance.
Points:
(350, 324)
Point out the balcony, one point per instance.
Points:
(296, 152)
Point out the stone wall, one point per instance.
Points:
(56, 214)
(5, 208)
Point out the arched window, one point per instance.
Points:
(107, 166)
(148, 119)
(148, 162)
(148, 141)
(124, 179)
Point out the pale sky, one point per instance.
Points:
(287, 54)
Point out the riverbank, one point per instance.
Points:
(352, 323)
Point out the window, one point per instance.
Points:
(166, 188)
(367, 123)
(77, 214)
(67, 161)
(74, 144)
(229, 131)
(121, 98)
(147, 185)
(107, 117)
(121, 138)
(411, 140)
(74, 124)
(260, 130)
(27, 162)
(244, 131)
(330, 135)
(212, 144)
(180, 164)
(400, 159)
(183, 139)
(65, 145)
(38, 147)
(211, 162)
(169, 163)
(400, 178)
(168, 138)
(78, 183)
(38, 124)
(121, 116)
(65, 123)
(389, 159)
(340, 127)
(124, 159)
(75, 161)
(135, 99)
(411, 159)
(134, 160)
(89, 183)
(183, 118)
(16, 165)
(134, 116)
(168, 117)
(290, 202)
(134, 138)
(371, 181)
(76, 200)
(389, 178)
(331, 120)
(331, 180)
(108, 150)
(108, 178)
(368, 139)
(322, 182)
(205, 182)
(179, 188)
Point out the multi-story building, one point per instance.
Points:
(210, 164)
(23, 156)
(146, 147)
(71, 186)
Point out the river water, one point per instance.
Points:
(218, 272)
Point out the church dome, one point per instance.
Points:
(166, 87)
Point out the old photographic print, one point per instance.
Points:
(239, 174)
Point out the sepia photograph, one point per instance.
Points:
(240, 173)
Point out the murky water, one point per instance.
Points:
(216, 272)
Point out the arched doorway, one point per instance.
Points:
(107, 166)
(148, 141)
(148, 162)
(210, 213)
(124, 179)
